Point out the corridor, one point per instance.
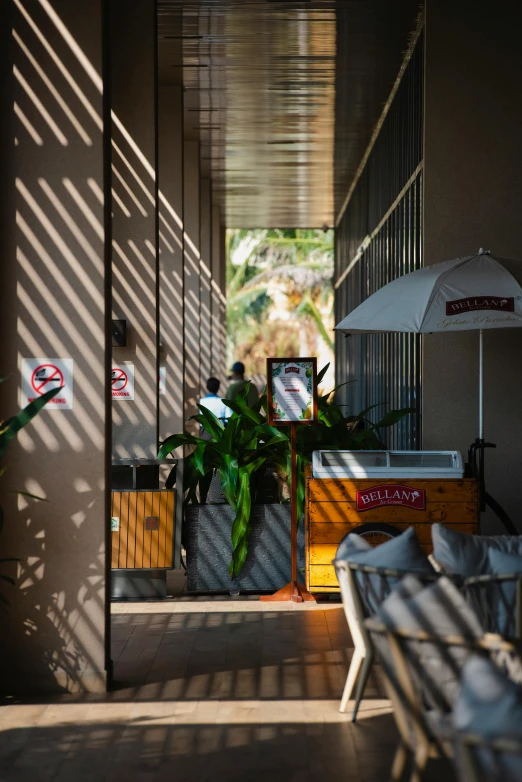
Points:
(209, 690)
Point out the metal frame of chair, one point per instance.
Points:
(420, 706)
(485, 594)
(357, 600)
(470, 767)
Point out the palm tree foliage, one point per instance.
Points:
(278, 278)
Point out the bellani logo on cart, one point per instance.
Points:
(472, 303)
(391, 494)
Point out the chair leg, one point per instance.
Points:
(399, 762)
(420, 760)
(355, 667)
(361, 684)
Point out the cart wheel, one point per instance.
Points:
(377, 533)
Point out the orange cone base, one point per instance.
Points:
(293, 591)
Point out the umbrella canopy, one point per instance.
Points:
(465, 294)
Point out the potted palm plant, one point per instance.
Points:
(243, 543)
(217, 536)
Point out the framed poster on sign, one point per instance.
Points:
(291, 401)
(291, 391)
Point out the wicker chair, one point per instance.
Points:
(478, 760)
(422, 707)
(363, 589)
(497, 601)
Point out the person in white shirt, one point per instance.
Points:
(213, 402)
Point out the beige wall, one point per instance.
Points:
(170, 141)
(134, 244)
(472, 198)
(52, 304)
(219, 368)
(205, 340)
(192, 255)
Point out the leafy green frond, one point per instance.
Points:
(12, 426)
(308, 307)
(244, 297)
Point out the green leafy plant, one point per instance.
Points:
(239, 449)
(8, 431)
(248, 444)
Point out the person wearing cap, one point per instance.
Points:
(239, 382)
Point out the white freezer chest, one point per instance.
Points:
(387, 464)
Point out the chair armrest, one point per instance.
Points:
(437, 567)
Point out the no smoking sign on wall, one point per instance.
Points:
(122, 381)
(40, 375)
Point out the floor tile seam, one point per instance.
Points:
(155, 652)
(126, 641)
(330, 634)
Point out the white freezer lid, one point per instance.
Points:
(425, 459)
(353, 459)
(393, 462)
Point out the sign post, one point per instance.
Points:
(292, 401)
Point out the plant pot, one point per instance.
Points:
(209, 549)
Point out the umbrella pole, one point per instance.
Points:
(481, 384)
(480, 441)
(480, 445)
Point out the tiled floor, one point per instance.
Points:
(210, 690)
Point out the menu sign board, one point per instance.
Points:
(292, 390)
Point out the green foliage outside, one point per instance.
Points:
(279, 295)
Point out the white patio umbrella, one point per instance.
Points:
(467, 294)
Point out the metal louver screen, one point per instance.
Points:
(379, 238)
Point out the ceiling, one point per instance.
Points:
(259, 79)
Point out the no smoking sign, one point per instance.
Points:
(122, 381)
(40, 375)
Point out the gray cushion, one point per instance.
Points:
(351, 544)
(408, 587)
(439, 610)
(500, 563)
(466, 555)
(490, 705)
(402, 553)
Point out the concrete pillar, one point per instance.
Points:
(472, 197)
(205, 266)
(218, 298)
(53, 307)
(171, 242)
(170, 140)
(134, 232)
(192, 276)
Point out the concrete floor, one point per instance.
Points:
(210, 690)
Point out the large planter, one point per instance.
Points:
(209, 549)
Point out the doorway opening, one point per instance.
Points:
(280, 297)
